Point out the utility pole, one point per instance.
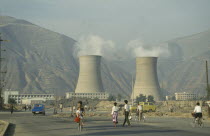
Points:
(207, 88)
(2, 83)
(207, 81)
(55, 102)
(132, 91)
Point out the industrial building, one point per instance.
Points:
(102, 95)
(146, 81)
(89, 83)
(89, 80)
(185, 96)
(19, 98)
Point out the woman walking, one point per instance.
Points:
(114, 113)
(79, 115)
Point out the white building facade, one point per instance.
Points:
(100, 95)
(23, 97)
(185, 96)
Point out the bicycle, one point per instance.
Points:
(143, 118)
(197, 122)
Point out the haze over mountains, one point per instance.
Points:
(42, 61)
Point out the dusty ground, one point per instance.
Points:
(180, 108)
(24, 124)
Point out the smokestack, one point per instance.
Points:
(146, 82)
(89, 80)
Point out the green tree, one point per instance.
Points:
(119, 97)
(96, 99)
(12, 101)
(111, 98)
(141, 98)
(173, 98)
(150, 98)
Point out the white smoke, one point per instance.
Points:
(94, 45)
(139, 49)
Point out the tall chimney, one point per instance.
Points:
(146, 82)
(89, 80)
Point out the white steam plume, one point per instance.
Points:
(138, 49)
(94, 45)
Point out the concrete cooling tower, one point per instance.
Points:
(146, 82)
(89, 80)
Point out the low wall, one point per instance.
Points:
(3, 127)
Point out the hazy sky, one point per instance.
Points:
(152, 21)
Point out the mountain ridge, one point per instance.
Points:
(42, 61)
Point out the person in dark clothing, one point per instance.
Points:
(126, 113)
(11, 109)
(29, 107)
(25, 108)
(82, 109)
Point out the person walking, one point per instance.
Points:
(80, 114)
(126, 113)
(139, 111)
(79, 118)
(61, 107)
(11, 109)
(29, 107)
(25, 107)
(114, 114)
(74, 108)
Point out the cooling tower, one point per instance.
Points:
(146, 82)
(89, 80)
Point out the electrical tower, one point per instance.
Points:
(2, 82)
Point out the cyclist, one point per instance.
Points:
(198, 111)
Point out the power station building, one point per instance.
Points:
(186, 96)
(89, 83)
(22, 98)
(146, 82)
(100, 95)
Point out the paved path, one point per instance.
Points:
(24, 124)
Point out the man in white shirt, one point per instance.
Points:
(198, 111)
(126, 113)
(140, 111)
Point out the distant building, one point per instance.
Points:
(19, 98)
(32, 101)
(169, 98)
(100, 95)
(185, 96)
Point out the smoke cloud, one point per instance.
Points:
(139, 49)
(94, 45)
